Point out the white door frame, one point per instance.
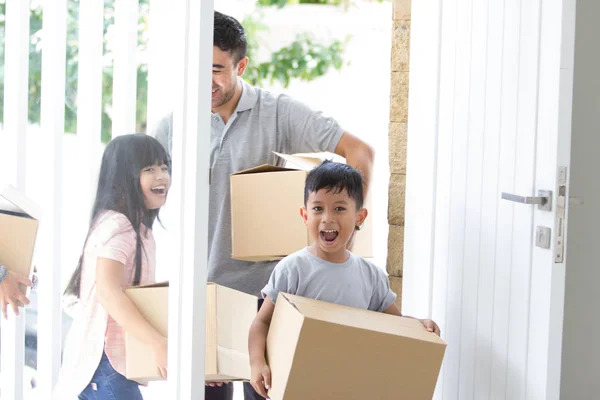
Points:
(191, 119)
(553, 137)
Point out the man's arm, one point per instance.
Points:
(163, 132)
(358, 155)
(305, 131)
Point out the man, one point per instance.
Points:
(10, 293)
(248, 125)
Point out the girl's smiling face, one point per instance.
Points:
(155, 181)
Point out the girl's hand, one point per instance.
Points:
(213, 384)
(160, 356)
(260, 378)
(431, 326)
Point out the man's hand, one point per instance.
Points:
(10, 292)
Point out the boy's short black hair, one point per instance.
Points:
(336, 177)
(229, 36)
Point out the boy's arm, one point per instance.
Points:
(427, 323)
(257, 343)
(257, 339)
(394, 310)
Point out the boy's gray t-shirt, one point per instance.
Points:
(262, 123)
(355, 283)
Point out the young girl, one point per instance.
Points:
(119, 252)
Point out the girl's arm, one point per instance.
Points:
(109, 274)
(257, 344)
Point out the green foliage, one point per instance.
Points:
(283, 3)
(304, 59)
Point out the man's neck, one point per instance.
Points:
(227, 109)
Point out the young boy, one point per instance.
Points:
(326, 270)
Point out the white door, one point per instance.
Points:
(490, 113)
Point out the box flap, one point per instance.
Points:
(362, 319)
(13, 201)
(305, 161)
(262, 168)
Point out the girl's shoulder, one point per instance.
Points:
(109, 224)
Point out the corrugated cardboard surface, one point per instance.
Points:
(265, 211)
(19, 221)
(266, 224)
(229, 314)
(228, 322)
(17, 242)
(326, 351)
(153, 303)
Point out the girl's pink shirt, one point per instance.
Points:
(93, 330)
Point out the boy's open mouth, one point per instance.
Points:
(329, 235)
(159, 190)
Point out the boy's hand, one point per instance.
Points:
(260, 378)
(431, 326)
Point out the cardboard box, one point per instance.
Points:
(265, 217)
(19, 221)
(319, 350)
(229, 314)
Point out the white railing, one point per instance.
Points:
(52, 122)
(89, 88)
(190, 75)
(12, 169)
(125, 67)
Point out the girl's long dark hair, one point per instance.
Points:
(119, 190)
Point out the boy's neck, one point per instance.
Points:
(339, 257)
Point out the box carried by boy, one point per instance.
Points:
(319, 350)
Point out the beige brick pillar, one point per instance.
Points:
(397, 141)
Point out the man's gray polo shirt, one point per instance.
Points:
(262, 123)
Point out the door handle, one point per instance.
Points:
(543, 199)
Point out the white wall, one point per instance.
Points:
(582, 299)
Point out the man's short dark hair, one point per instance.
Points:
(229, 36)
(336, 177)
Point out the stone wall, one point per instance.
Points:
(397, 140)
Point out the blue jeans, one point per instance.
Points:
(108, 384)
